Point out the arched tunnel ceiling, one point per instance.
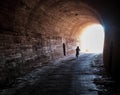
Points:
(62, 17)
(30, 29)
(24, 19)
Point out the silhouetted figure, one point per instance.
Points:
(77, 51)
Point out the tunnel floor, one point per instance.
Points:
(70, 76)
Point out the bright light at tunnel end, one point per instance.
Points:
(92, 38)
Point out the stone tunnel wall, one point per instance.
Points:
(32, 33)
(25, 45)
(19, 56)
(111, 52)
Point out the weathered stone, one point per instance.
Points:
(33, 32)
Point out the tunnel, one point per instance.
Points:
(36, 32)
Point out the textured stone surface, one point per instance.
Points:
(32, 32)
(69, 76)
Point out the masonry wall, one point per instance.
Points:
(26, 43)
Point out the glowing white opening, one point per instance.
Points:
(92, 39)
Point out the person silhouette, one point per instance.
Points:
(77, 51)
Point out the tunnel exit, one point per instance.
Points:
(92, 38)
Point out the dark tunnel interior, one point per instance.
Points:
(34, 32)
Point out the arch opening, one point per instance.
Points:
(92, 39)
